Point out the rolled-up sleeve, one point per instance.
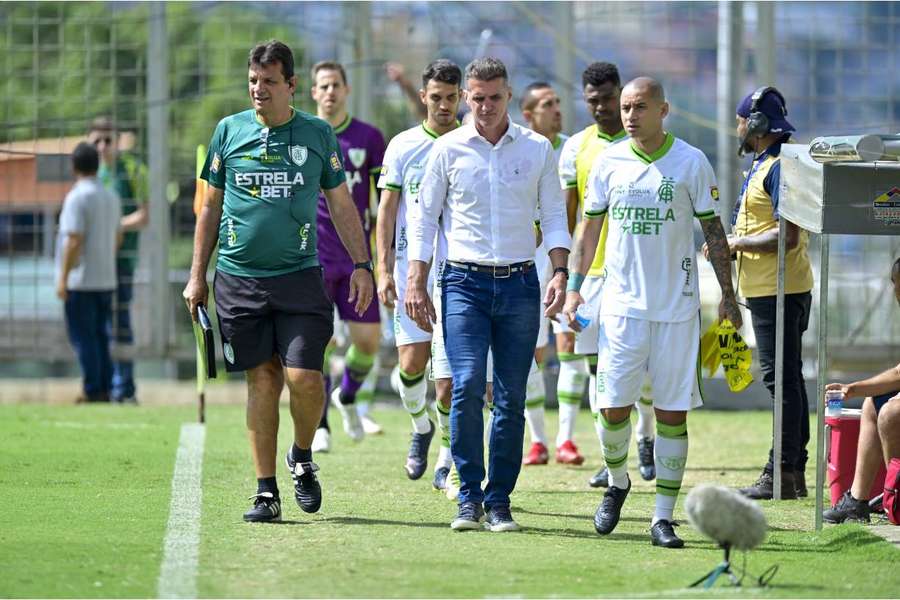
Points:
(422, 216)
(554, 223)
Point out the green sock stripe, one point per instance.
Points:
(445, 441)
(671, 431)
(567, 356)
(358, 360)
(668, 487)
(613, 463)
(613, 426)
(411, 379)
(420, 413)
(442, 410)
(646, 401)
(365, 395)
(592, 360)
(534, 402)
(569, 397)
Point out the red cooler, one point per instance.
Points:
(842, 437)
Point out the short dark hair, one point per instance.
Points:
(895, 270)
(442, 70)
(486, 69)
(102, 123)
(598, 73)
(527, 101)
(85, 159)
(268, 53)
(328, 65)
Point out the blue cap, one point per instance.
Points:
(771, 106)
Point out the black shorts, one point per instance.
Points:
(880, 401)
(289, 315)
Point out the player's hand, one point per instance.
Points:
(418, 305)
(555, 296)
(729, 309)
(573, 301)
(195, 292)
(61, 291)
(387, 289)
(362, 290)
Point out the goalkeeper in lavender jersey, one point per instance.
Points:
(401, 175)
(650, 189)
(362, 147)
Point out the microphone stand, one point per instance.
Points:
(723, 568)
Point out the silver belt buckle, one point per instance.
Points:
(500, 273)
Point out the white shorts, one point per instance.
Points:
(630, 347)
(586, 339)
(405, 329)
(440, 364)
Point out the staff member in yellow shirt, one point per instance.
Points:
(762, 127)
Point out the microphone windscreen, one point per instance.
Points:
(725, 516)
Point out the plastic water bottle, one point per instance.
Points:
(834, 403)
(582, 316)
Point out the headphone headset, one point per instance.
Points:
(758, 122)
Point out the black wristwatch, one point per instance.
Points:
(363, 265)
(563, 270)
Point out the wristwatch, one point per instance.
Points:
(563, 270)
(363, 265)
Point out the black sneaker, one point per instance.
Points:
(848, 508)
(600, 479)
(266, 508)
(662, 533)
(307, 490)
(469, 516)
(500, 519)
(607, 516)
(417, 459)
(440, 478)
(763, 489)
(646, 465)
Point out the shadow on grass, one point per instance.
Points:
(365, 521)
(853, 539)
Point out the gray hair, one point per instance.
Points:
(486, 69)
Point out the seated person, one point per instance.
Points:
(879, 432)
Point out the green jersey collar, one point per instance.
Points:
(649, 158)
(258, 120)
(344, 125)
(556, 143)
(611, 138)
(431, 132)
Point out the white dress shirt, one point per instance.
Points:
(486, 197)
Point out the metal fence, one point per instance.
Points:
(167, 72)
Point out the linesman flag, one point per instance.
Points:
(200, 188)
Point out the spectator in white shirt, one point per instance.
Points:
(484, 181)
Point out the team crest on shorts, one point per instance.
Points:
(229, 352)
(299, 154)
(357, 156)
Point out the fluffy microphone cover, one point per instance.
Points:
(725, 516)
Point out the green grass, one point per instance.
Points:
(87, 493)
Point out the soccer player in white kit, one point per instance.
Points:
(601, 87)
(650, 188)
(401, 174)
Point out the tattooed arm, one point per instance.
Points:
(719, 255)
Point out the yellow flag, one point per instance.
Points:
(721, 344)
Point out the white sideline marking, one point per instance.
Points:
(178, 573)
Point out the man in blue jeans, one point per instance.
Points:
(485, 181)
(86, 270)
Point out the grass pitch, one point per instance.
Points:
(87, 493)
